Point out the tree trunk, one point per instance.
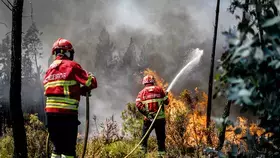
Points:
(209, 104)
(20, 145)
(38, 80)
(259, 10)
(222, 134)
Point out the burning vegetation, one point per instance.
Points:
(186, 133)
(186, 123)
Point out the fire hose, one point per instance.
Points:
(86, 130)
(47, 146)
(87, 125)
(147, 131)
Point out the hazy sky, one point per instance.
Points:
(191, 20)
(56, 18)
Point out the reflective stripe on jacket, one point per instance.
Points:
(62, 84)
(149, 100)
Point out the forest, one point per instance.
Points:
(245, 77)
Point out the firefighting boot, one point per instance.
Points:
(55, 156)
(67, 156)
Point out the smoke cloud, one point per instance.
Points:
(163, 30)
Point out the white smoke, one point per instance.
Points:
(128, 16)
(168, 24)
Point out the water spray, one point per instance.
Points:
(196, 55)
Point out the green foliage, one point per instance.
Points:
(36, 137)
(36, 140)
(132, 121)
(96, 148)
(249, 69)
(93, 147)
(113, 150)
(109, 144)
(36, 134)
(6, 146)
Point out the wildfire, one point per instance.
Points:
(186, 120)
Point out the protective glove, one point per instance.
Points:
(84, 91)
(90, 74)
(89, 93)
(146, 119)
(151, 116)
(166, 98)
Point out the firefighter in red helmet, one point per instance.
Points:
(148, 101)
(64, 82)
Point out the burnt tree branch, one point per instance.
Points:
(210, 88)
(259, 10)
(8, 4)
(222, 134)
(4, 24)
(19, 134)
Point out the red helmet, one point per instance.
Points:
(148, 79)
(62, 44)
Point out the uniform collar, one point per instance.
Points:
(149, 85)
(62, 58)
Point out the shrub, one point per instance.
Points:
(6, 145)
(132, 121)
(36, 135)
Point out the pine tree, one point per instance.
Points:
(32, 47)
(5, 65)
(5, 57)
(5, 72)
(104, 51)
(128, 57)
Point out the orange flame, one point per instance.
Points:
(186, 120)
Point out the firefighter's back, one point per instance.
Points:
(152, 94)
(61, 88)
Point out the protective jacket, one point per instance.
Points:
(62, 84)
(149, 99)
